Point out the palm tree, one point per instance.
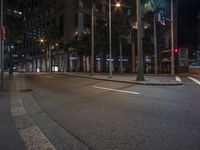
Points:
(91, 4)
(101, 37)
(147, 5)
(121, 29)
(152, 5)
(150, 9)
(51, 36)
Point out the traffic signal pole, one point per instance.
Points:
(172, 38)
(2, 48)
(155, 45)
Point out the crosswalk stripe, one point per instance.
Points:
(195, 80)
(178, 79)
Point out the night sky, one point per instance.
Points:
(187, 22)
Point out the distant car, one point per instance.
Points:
(21, 70)
(194, 65)
(15, 69)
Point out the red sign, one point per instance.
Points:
(176, 51)
(3, 33)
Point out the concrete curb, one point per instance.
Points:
(128, 82)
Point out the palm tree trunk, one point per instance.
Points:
(120, 53)
(140, 67)
(11, 61)
(101, 57)
(46, 58)
(133, 54)
(92, 42)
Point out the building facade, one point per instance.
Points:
(71, 19)
(44, 17)
(51, 25)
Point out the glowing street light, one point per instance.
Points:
(118, 4)
(41, 40)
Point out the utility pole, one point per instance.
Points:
(110, 40)
(140, 67)
(2, 48)
(172, 37)
(92, 43)
(155, 45)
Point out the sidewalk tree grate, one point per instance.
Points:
(26, 90)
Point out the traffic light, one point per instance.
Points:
(3, 34)
(176, 51)
(162, 17)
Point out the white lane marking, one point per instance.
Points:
(195, 80)
(178, 79)
(49, 77)
(115, 90)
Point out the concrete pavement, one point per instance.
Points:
(9, 136)
(26, 125)
(9, 132)
(160, 117)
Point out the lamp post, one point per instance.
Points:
(110, 41)
(172, 37)
(110, 36)
(2, 48)
(155, 45)
(42, 42)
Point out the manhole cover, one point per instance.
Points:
(26, 90)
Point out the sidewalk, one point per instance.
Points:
(162, 80)
(9, 136)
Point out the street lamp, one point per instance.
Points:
(118, 4)
(41, 40)
(172, 37)
(110, 36)
(155, 45)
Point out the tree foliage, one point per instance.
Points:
(153, 5)
(51, 34)
(13, 22)
(80, 44)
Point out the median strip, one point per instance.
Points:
(115, 90)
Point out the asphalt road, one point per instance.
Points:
(116, 116)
